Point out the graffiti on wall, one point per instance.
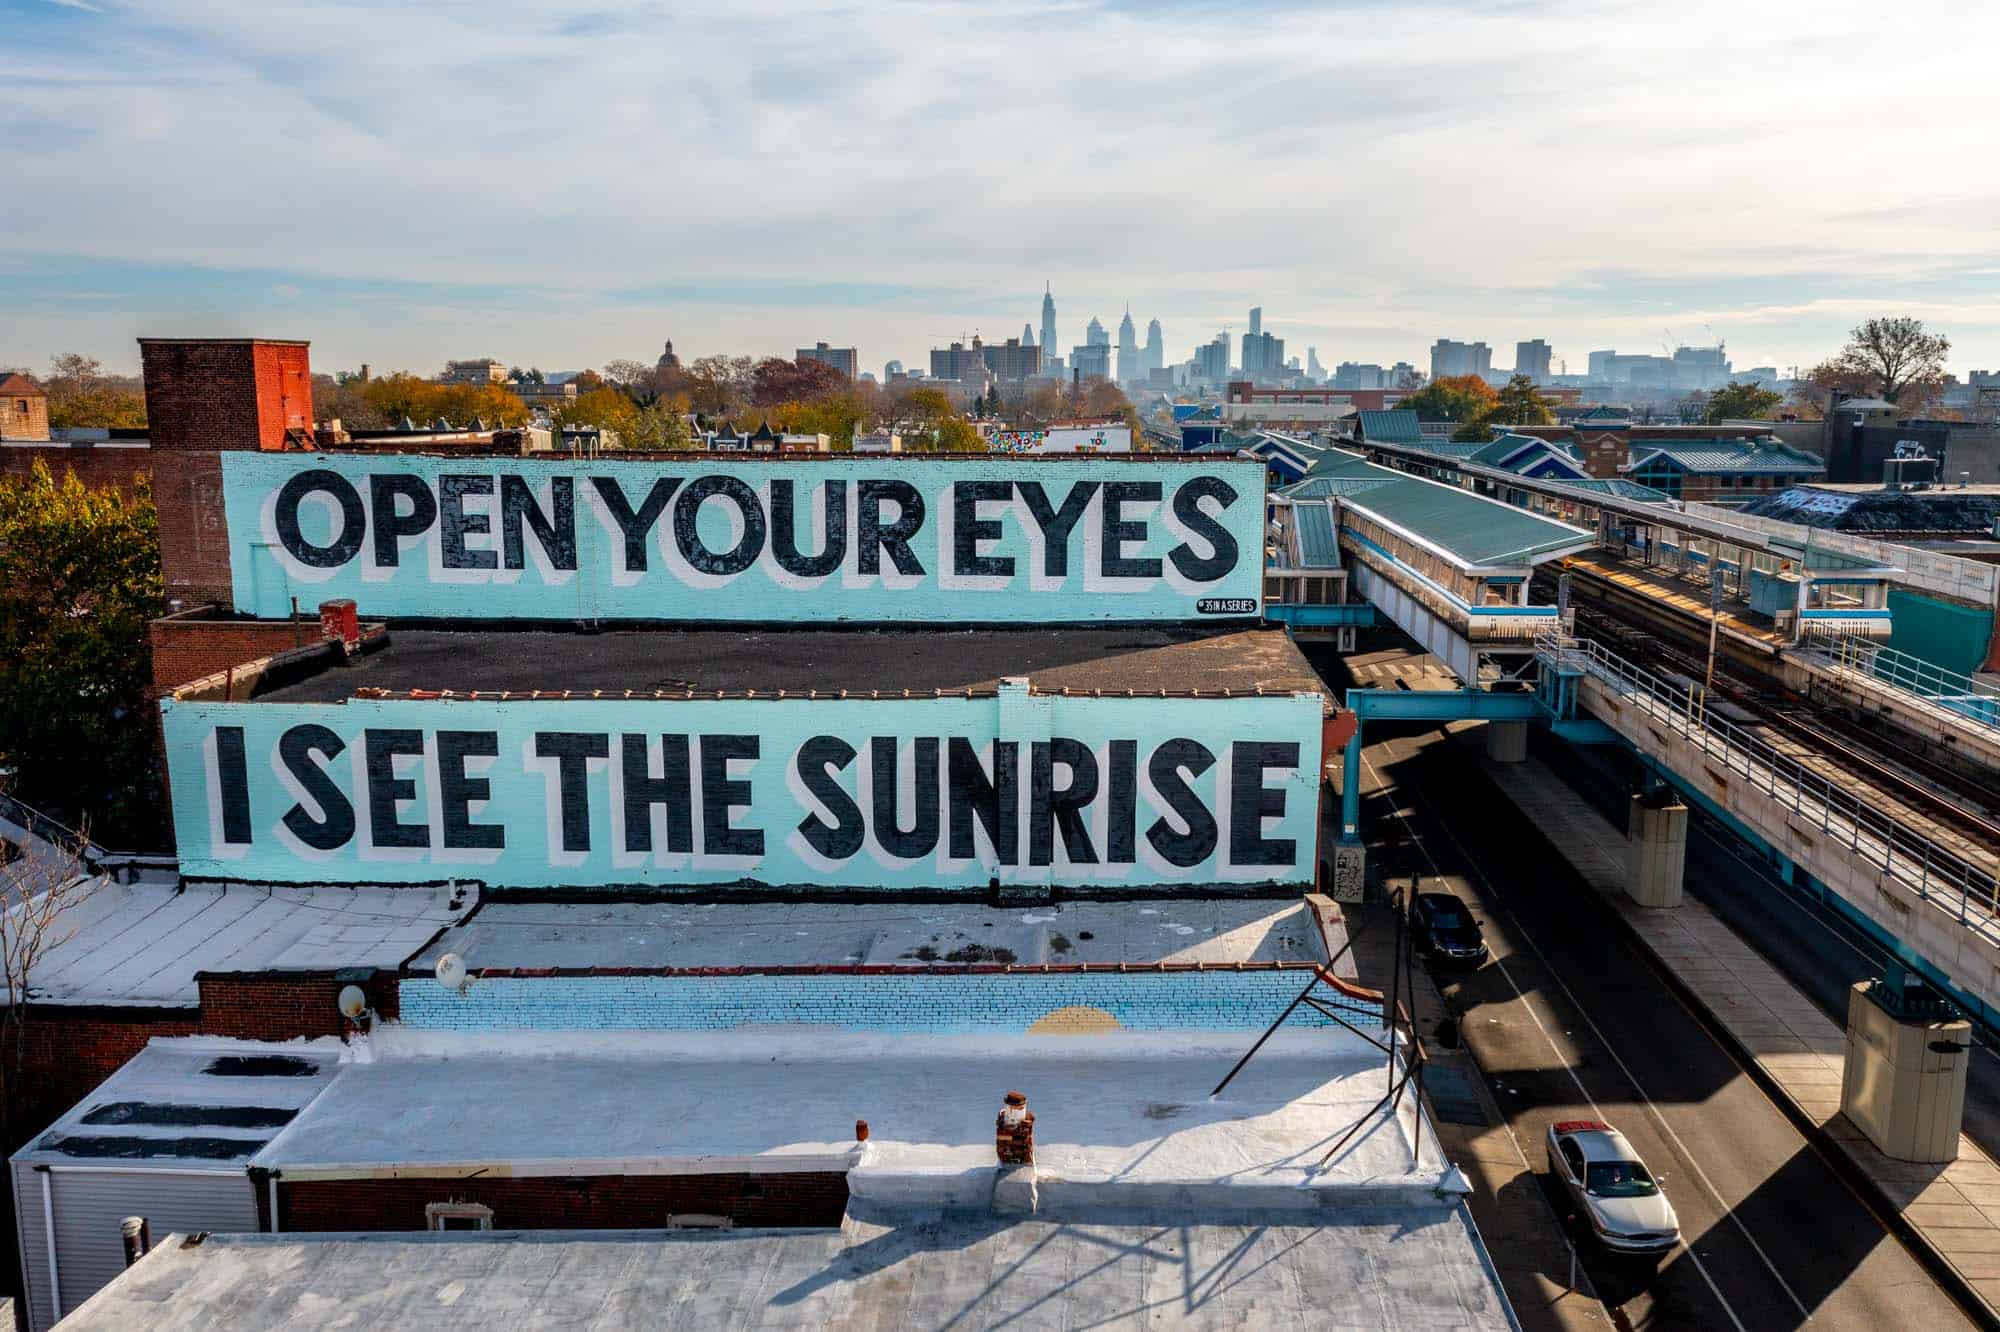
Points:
(921, 793)
(857, 539)
(1066, 439)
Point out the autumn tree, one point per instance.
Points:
(1739, 402)
(1894, 354)
(719, 386)
(79, 579)
(1463, 398)
(777, 380)
(81, 396)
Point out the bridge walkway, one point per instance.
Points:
(1959, 712)
(1940, 903)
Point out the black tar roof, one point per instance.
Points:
(1144, 660)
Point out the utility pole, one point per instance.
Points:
(1714, 623)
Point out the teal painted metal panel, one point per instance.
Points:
(1954, 637)
(819, 539)
(1361, 615)
(947, 793)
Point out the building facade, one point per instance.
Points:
(844, 359)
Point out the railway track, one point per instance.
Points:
(1830, 744)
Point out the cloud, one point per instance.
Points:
(751, 176)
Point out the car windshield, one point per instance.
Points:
(1446, 919)
(1619, 1179)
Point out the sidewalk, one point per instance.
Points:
(1796, 1051)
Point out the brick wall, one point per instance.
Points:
(567, 1202)
(194, 535)
(24, 415)
(225, 394)
(1053, 1000)
(281, 1006)
(101, 467)
(66, 1052)
(186, 649)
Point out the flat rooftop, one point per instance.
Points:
(1140, 660)
(1391, 1268)
(143, 944)
(507, 934)
(1118, 1115)
(1472, 530)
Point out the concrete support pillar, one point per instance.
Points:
(1350, 872)
(1506, 741)
(1656, 839)
(1904, 1081)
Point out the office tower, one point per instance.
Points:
(1314, 370)
(843, 359)
(1256, 320)
(1460, 358)
(1094, 335)
(1128, 349)
(1533, 359)
(1048, 323)
(1156, 347)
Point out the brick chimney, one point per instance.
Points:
(1014, 1131)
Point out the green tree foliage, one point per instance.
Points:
(81, 395)
(1739, 402)
(79, 579)
(1463, 398)
(1518, 404)
(400, 395)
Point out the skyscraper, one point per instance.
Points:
(1027, 335)
(1095, 336)
(1532, 359)
(1459, 358)
(1048, 323)
(1314, 370)
(1256, 320)
(1211, 360)
(1128, 349)
(1156, 347)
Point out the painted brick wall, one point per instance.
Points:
(225, 394)
(194, 536)
(1140, 1001)
(585, 1202)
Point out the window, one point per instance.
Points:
(1619, 1179)
(458, 1216)
(1573, 1158)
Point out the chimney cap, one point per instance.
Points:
(1015, 1098)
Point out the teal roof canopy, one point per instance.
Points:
(1479, 532)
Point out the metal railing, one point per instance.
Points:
(1971, 699)
(1933, 871)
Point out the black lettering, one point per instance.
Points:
(784, 530)
(555, 532)
(346, 543)
(384, 489)
(968, 529)
(455, 524)
(295, 750)
(1123, 795)
(819, 758)
(457, 789)
(1120, 532)
(687, 530)
(643, 791)
(380, 748)
(636, 526)
(996, 803)
(1056, 524)
(572, 751)
(895, 538)
(1165, 767)
(1251, 802)
(233, 778)
(720, 795)
(1187, 508)
(1050, 808)
(920, 839)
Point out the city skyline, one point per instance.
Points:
(378, 203)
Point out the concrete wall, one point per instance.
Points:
(567, 1202)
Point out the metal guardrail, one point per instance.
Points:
(1928, 868)
(1970, 699)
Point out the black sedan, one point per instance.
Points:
(1446, 930)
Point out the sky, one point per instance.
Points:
(561, 185)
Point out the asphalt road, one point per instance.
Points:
(1570, 1021)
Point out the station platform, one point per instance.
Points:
(1958, 714)
(1796, 1051)
(1652, 590)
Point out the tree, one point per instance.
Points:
(1896, 354)
(38, 890)
(606, 409)
(1519, 404)
(719, 386)
(1452, 398)
(79, 579)
(79, 395)
(1739, 402)
(422, 401)
(777, 380)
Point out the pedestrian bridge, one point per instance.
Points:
(1450, 568)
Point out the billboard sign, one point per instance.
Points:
(856, 539)
(916, 794)
(1066, 439)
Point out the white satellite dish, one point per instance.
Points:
(353, 1002)
(451, 971)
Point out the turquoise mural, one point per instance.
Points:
(842, 538)
(943, 793)
(1941, 632)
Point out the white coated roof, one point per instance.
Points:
(143, 943)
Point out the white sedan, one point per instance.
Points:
(1605, 1177)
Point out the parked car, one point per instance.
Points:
(1610, 1184)
(1447, 931)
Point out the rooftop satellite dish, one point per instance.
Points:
(353, 1002)
(451, 971)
